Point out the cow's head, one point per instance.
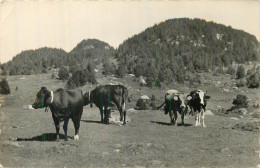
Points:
(41, 98)
(182, 98)
(87, 99)
(198, 96)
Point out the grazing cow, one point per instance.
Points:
(197, 103)
(103, 96)
(64, 105)
(174, 102)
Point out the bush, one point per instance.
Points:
(108, 69)
(253, 80)
(80, 78)
(4, 87)
(73, 69)
(140, 105)
(53, 76)
(158, 83)
(231, 70)
(63, 73)
(240, 101)
(240, 72)
(149, 82)
(153, 105)
(121, 71)
(44, 71)
(153, 98)
(241, 83)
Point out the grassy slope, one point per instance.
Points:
(147, 140)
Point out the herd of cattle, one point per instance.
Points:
(66, 104)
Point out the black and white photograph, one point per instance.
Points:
(130, 83)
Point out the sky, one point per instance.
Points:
(29, 24)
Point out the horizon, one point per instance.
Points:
(47, 26)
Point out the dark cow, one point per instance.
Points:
(103, 96)
(197, 103)
(174, 102)
(64, 105)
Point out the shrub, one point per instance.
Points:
(121, 71)
(153, 105)
(44, 71)
(149, 82)
(63, 73)
(80, 78)
(240, 101)
(158, 83)
(253, 80)
(240, 72)
(153, 98)
(4, 87)
(231, 70)
(140, 105)
(53, 76)
(241, 83)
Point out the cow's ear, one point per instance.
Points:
(188, 97)
(207, 97)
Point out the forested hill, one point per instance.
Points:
(36, 61)
(91, 50)
(43, 59)
(179, 45)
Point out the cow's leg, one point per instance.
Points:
(202, 117)
(57, 126)
(106, 112)
(196, 118)
(124, 111)
(199, 116)
(101, 114)
(175, 117)
(79, 112)
(65, 127)
(172, 122)
(182, 116)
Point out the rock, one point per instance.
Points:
(1, 166)
(0, 131)
(95, 70)
(226, 149)
(208, 112)
(234, 118)
(243, 111)
(225, 90)
(0, 105)
(105, 153)
(117, 150)
(149, 144)
(235, 88)
(256, 115)
(144, 97)
(156, 162)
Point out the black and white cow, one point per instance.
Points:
(197, 101)
(174, 103)
(64, 105)
(103, 96)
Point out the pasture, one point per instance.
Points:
(147, 140)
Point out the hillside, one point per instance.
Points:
(42, 59)
(178, 46)
(36, 61)
(91, 50)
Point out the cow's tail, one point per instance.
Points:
(160, 106)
